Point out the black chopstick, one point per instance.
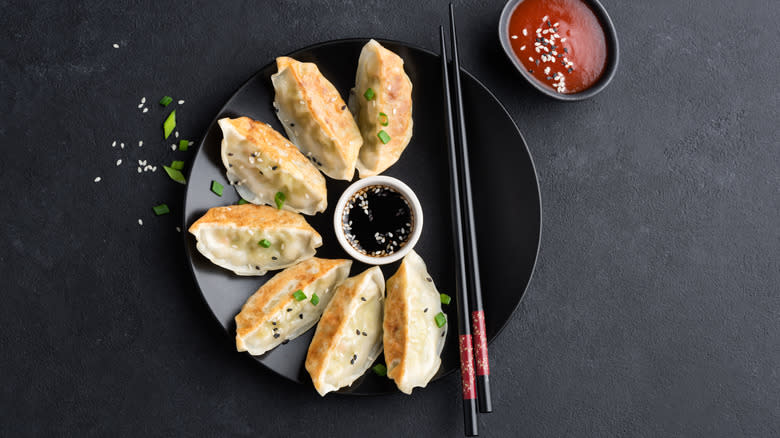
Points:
(464, 330)
(474, 281)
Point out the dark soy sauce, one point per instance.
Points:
(377, 221)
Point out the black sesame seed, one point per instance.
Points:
(365, 334)
(300, 315)
(530, 71)
(537, 62)
(287, 340)
(257, 267)
(426, 310)
(261, 172)
(230, 154)
(273, 322)
(274, 257)
(230, 165)
(565, 50)
(276, 109)
(429, 279)
(357, 332)
(548, 23)
(276, 335)
(362, 298)
(289, 310)
(274, 167)
(343, 107)
(292, 124)
(571, 69)
(276, 328)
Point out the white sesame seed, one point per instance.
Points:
(118, 162)
(97, 179)
(538, 50)
(178, 229)
(514, 37)
(173, 147)
(116, 46)
(154, 168)
(181, 102)
(525, 32)
(522, 47)
(140, 222)
(547, 70)
(140, 105)
(545, 18)
(539, 31)
(531, 59)
(141, 162)
(140, 170)
(122, 145)
(113, 144)
(555, 24)
(176, 134)
(563, 40)
(140, 143)
(143, 100)
(146, 110)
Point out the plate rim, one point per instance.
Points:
(185, 228)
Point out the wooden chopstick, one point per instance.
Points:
(470, 426)
(472, 258)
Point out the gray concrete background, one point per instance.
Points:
(654, 309)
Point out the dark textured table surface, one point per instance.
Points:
(654, 309)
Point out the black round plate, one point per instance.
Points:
(508, 210)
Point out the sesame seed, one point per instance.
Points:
(289, 310)
(140, 222)
(143, 100)
(139, 170)
(525, 32)
(178, 230)
(274, 258)
(530, 59)
(116, 46)
(357, 332)
(181, 102)
(140, 105)
(113, 144)
(545, 18)
(425, 310)
(97, 179)
(276, 335)
(173, 147)
(300, 315)
(140, 143)
(122, 145)
(146, 110)
(118, 162)
(362, 298)
(176, 134)
(514, 37)
(365, 334)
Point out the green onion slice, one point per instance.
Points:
(217, 188)
(178, 165)
(299, 295)
(440, 319)
(166, 100)
(169, 124)
(175, 175)
(369, 94)
(383, 120)
(242, 201)
(445, 299)
(383, 136)
(265, 243)
(279, 199)
(380, 369)
(161, 209)
(315, 299)
(184, 145)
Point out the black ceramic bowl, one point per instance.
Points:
(612, 52)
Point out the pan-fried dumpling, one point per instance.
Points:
(412, 339)
(261, 163)
(349, 336)
(253, 239)
(316, 118)
(275, 314)
(382, 104)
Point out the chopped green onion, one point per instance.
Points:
(383, 136)
(175, 174)
(383, 120)
(264, 243)
(315, 299)
(299, 295)
(217, 188)
(184, 145)
(440, 319)
(279, 199)
(169, 124)
(161, 209)
(380, 369)
(242, 201)
(369, 94)
(178, 165)
(165, 101)
(445, 299)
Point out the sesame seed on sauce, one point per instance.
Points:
(377, 221)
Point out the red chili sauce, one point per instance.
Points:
(560, 42)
